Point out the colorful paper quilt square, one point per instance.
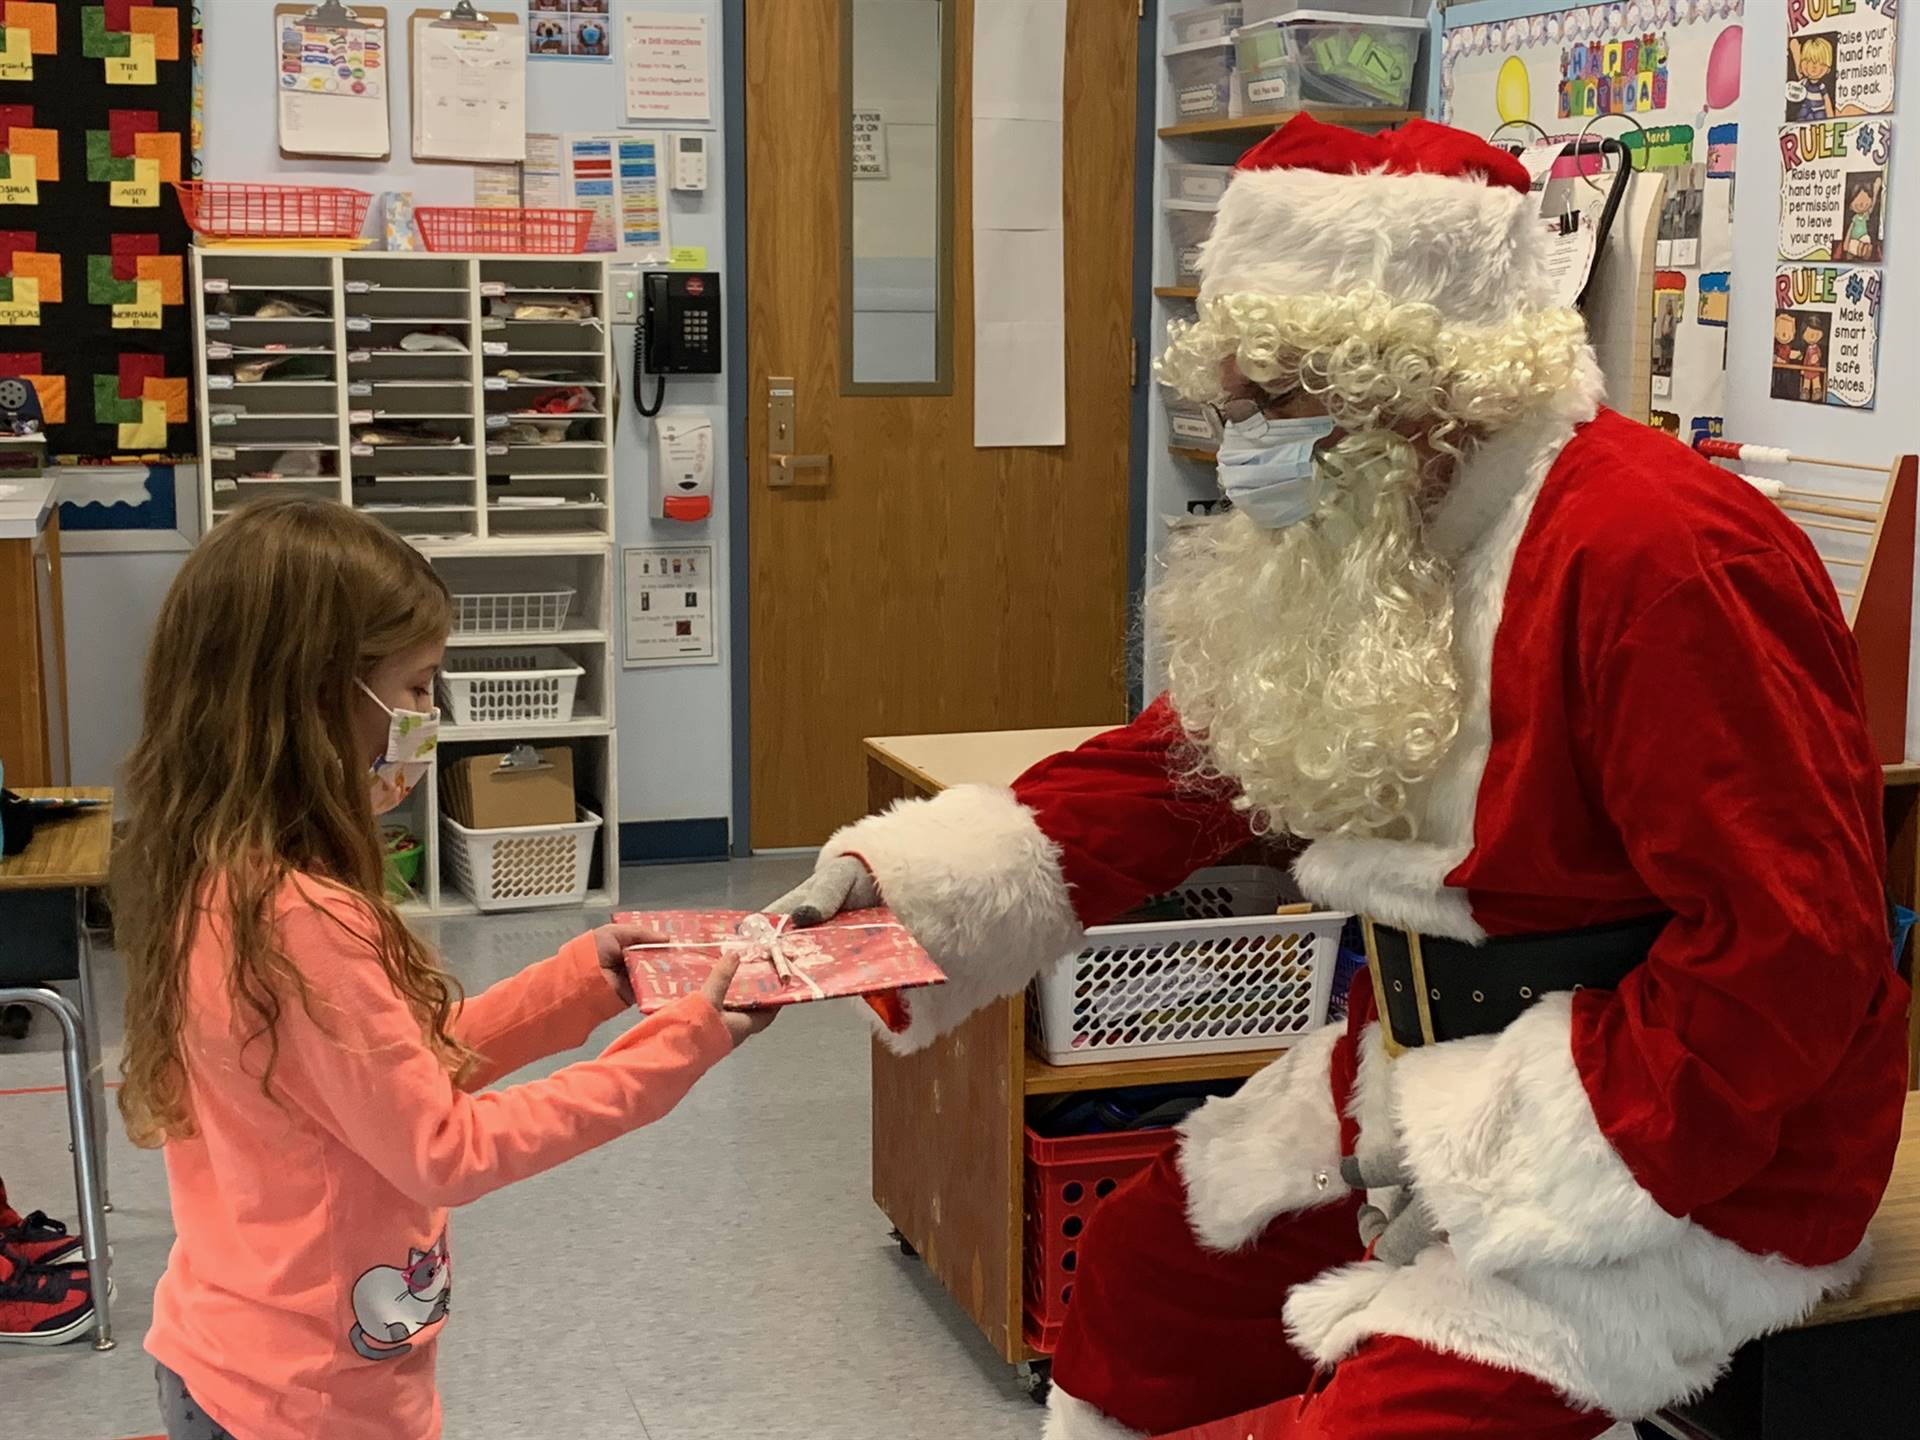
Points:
(52, 390)
(11, 242)
(149, 432)
(103, 288)
(171, 273)
(136, 370)
(119, 14)
(103, 166)
(12, 115)
(124, 125)
(20, 180)
(170, 393)
(142, 192)
(44, 270)
(163, 25)
(98, 40)
(108, 407)
(16, 53)
(127, 250)
(41, 18)
(137, 67)
(20, 363)
(44, 147)
(160, 146)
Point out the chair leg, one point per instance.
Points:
(86, 1180)
(90, 1032)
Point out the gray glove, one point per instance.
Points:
(1402, 1231)
(839, 884)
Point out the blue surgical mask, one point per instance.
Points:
(1266, 468)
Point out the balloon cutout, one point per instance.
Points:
(1514, 92)
(1723, 69)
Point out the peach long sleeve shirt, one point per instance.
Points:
(311, 1273)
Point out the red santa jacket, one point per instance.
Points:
(1662, 713)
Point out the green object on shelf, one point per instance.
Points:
(403, 856)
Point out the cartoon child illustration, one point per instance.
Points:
(1813, 374)
(392, 1307)
(1810, 89)
(1864, 196)
(1786, 356)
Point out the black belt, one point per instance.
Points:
(1433, 989)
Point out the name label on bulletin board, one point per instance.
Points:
(689, 257)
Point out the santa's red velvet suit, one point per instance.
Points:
(1661, 717)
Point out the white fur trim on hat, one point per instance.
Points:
(1557, 1263)
(1471, 249)
(973, 877)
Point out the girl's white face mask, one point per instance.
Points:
(1266, 468)
(412, 738)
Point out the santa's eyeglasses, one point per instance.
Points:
(1244, 409)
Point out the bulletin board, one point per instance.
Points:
(1664, 78)
(97, 115)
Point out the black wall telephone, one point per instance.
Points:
(679, 330)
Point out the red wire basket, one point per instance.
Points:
(504, 230)
(224, 211)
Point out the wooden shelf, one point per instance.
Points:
(1045, 1079)
(1244, 126)
(1198, 457)
(1177, 292)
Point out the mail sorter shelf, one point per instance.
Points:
(522, 533)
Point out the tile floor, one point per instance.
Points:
(721, 1274)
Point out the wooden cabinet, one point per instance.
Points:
(33, 672)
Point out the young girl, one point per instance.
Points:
(313, 1075)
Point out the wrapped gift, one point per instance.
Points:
(864, 953)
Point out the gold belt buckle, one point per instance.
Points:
(1417, 963)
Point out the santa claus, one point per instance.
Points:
(1573, 719)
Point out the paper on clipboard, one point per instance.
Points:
(333, 85)
(469, 90)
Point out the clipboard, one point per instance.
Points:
(329, 13)
(421, 26)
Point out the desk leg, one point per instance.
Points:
(90, 1027)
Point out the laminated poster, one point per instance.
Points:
(1833, 190)
(1840, 58)
(1826, 335)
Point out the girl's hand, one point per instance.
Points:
(742, 1025)
(611, 942)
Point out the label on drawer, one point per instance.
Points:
(219, 322)
(495, 382)
(359, 357)
(217, 420)
(493, 289)
(218, 287)
(496, 450)
(359, 287)
(219, 382)
(1201, 100)
(223, 452)
(494, 347)
(1192, 427)
(362, 450)
(360, 387)
(360, 322)
(1265, 92)
(219, 350)
(359, 417)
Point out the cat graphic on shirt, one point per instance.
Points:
(391, 1306)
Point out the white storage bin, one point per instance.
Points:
(1191, 425)
(1189, 223)
(1258, 10)
(1205, 183)
(1354, 62)
(1205, 22)
(512, 612)
(490, 687)
(521, 867)
(1234, 976)
(1201, 75)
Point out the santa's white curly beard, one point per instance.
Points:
(1313, 666)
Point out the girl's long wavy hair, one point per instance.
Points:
(248, 773)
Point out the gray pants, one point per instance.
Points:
(185, 1420)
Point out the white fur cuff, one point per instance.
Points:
(977, 881)
(1071, 1419)
(1269, 1150)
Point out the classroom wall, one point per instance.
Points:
(674, 725)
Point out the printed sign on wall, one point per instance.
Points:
(1833, 190)
(1840, 58)
(1826, 335)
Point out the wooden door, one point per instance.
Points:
(928, 586)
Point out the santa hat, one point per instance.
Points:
(1424, 213)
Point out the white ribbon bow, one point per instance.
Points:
(766, 938)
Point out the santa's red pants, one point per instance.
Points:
(1164, 1335)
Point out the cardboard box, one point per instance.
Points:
(483, 793)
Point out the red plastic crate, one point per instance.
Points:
(504, 230)
(1066, 1181)
(222, 210)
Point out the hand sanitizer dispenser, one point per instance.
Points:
(683, 466)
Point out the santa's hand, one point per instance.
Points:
(1400, 1232)
(842, 883)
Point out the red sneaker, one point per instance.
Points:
(38, 1240)
(44, 1305)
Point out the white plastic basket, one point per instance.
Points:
(512, 612)
(521, 867)
(1232, 976)
(489, 687)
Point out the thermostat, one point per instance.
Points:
(690, 162)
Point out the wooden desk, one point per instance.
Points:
(1902, 809)
(948, 1160)
(65, 854)
(33, 698)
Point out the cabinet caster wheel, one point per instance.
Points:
(906, 1246)
(1036, 1378)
